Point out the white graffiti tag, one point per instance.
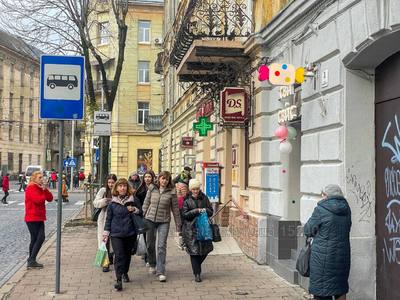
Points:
(396, 148)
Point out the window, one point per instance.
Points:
(143, 112)
(12, 71)
(22, 75)
(21, 132)
(144, 31)
(39, 135)
(39, 159)
(30, 108)
(30, 134)
(103, 33)
(1, 68)
(21, 104)
(10, 161)
(144, 72)
(10, 132)
(32, 73)
(30, 159)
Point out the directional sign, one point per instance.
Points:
(62, 82)
(69, 162)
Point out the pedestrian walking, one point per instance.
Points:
(158, 204)
(36, 195)
(81, 178)
(6, 188)
(329, 226)
(53, 179)
(64, 189)
(22, 183)
(195, 203)
(134, 180)
(76, 180)
(120, 228)
(102, 199)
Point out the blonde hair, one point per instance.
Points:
(34, 176)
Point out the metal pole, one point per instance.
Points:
(101, 161)
(72, 154)
(59, 206)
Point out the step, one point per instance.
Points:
(286, 268)
(294, 254)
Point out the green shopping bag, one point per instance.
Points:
(100, 255)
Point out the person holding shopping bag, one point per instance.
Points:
(195, 203)
(120, 228)
(36, 195)
(103, 198)
(329, 226)
(159, 202)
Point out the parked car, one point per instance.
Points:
(30, 169)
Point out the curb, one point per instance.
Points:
(9, 285)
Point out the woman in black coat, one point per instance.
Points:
(195, 203)
(120, 227)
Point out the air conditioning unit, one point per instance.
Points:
(158, 41)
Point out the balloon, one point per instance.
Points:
(285, 147)
(292, 132)
(281, 132)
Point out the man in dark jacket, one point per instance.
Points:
(329, 226)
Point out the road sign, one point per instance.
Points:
(103, 117)
(102, 123)
(62, 82)
(69, 162)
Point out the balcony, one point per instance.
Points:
(98, 86)
(153, 123)
(210, 36)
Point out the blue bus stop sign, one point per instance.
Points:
(62, 83)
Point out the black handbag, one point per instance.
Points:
(303, 260)
(95, 214)
(216, 233)
(139, 224)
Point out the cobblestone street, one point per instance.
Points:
(226, 275)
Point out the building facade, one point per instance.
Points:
(22, 134)
(345, 118)
(136, 116)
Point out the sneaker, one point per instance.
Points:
(118, 285)
(152, 270)
(162, 278)
(125, 278)
(106, 269)
(147, 265)
(34, 265)
(197, 278)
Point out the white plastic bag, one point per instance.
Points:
(141, 246)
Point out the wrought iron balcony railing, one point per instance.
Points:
(209, 19)
(153, 123)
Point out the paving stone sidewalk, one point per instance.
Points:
(228, 274)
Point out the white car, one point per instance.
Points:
(30, 170)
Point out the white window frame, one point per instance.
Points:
(143, 31)
(104, 33)
(142, 72)
(142, 111)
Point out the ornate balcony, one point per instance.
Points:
(210, 35)
(153, 123)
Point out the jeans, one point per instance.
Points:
(6, 193)
(122, 254)
(196, 261)
(159, 231)
(36, 230)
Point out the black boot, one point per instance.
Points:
(197, 278)
(125, 278)
(106, 269)
(118, 285)
(34, 265)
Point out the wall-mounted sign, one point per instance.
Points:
(203, 126)
(287, 114)
(234, 106)
(291, 97)
(206, 109)
(187, 142)
(211, 180)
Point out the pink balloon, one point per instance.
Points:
(281, 132)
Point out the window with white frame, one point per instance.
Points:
(143, 112)
(104, 34)
(144, 72)
(144, 31)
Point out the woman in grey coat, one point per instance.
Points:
(329, 226)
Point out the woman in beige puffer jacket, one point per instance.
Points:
(103, 198)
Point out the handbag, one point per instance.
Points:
(141, 246)
(303, 260)
(138, 223)
(215, 233)
(204, 232)
(100, 255)
(95, 214)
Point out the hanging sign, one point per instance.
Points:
(203, 126)
(206, 109)
(211, 180)
(281, 74)
(187, 142)
(234, 106)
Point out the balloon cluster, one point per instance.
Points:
(285, 134)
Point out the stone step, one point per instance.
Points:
(286, 268)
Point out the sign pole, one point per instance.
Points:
(59, 205)
(101, 161)
(72, 155)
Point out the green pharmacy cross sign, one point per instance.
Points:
(203, 126)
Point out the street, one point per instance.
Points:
(14, 235)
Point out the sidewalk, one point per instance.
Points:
(228, 274)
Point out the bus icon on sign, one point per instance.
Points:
(57, 80)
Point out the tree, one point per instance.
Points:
(68, 26)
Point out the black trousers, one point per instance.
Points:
(36, 230)
(6, 193)
(196, 261)
(122, 254)
(327, 297)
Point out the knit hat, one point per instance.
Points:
(332, 190)
(194, 184)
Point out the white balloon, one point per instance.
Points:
(285, 147)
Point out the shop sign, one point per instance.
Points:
(287, 114)
(211, 181)
(206, 109)
(187, 142)
(291, 97)
(234, 106)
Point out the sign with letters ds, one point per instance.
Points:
(234, 106)
(62, 81)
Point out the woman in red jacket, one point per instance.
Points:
(36, 195)
(6, 187)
